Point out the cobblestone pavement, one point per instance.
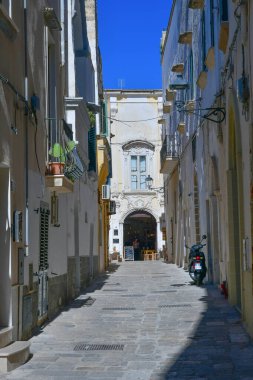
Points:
(147, 322)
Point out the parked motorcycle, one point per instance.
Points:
(197, 262)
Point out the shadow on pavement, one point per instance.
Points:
(218, 348)
(81, 301)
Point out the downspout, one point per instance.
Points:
(62, 34)
(26, 244)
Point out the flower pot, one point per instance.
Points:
(56, 168)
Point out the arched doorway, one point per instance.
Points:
(235, 207)
(140, 232)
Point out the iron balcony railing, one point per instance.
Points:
(170, 152)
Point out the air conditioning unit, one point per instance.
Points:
(112, 208)
(105, 191)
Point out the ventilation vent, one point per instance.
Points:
(98, 347)
(105, 192)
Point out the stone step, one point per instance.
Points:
(5, 336)
(13, 355)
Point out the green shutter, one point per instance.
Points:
(92, 146)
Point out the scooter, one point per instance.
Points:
(197, 262)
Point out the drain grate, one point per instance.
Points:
(164, 291)
(182, 305)
(133, 295)
(178, 285)
(119, 308)
(114, 290)
(83, 302)
(98, 347)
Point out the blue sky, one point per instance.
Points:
(129, 39)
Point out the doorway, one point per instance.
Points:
(235, 210)
(140, 232)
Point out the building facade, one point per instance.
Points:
(135, 139)
(48, 160)
(206, 155)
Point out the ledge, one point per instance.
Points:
(202, 80)
(210, 58)
(185, 38)
(196, 4)
(178, 68)
(59, 183)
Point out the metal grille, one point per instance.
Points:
(44, 225)
(164, 291)
(119, 308)
(98, 347)
(182, 305)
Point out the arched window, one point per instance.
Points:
(139, 164)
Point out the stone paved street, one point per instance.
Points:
(147, 322)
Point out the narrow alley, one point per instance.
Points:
(142, 321)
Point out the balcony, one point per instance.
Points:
(64, 165)
(169, 154)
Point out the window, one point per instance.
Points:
(115, 232)
(211, 23)
(223, 10)
(203, 38)
(190, 77)
(138, 172)
(115, 241)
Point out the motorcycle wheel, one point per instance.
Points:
(192, 275)
(198, 279)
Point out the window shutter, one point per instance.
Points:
(92, 149)
(44, 225)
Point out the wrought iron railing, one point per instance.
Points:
(170, 147)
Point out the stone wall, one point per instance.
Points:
(57, 293)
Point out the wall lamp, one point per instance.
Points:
(215, 114)
(149, 181)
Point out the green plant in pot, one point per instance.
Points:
(57, 163)
(59, 155)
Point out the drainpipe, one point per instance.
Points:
(62, 35)
(26, 136)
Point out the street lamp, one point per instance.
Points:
(149, 182)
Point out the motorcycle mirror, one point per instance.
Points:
(203, 237)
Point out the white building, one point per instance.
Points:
(135, 146)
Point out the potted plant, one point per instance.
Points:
(59, 154)
(56, 165)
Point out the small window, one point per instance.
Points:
(115, 232)
(115, 241)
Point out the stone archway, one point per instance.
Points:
(140, 231)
